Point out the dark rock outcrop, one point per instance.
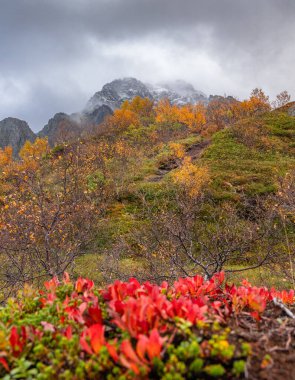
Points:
(61, 128)
(97, 115)
(15, 132)
(64, 128)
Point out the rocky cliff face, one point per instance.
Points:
(97, 114)
(15, 132)
(61, 127)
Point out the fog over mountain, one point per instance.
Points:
(55, 54)
(65, 127)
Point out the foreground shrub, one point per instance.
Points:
(130, 330)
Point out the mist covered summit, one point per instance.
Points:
(116, 92)
(102, 103)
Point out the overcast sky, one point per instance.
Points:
(54, 54)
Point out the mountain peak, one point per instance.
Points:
(15, 132)
(181, 87)
(62, 127)
(113, 94)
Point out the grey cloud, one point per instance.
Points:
(54, 54)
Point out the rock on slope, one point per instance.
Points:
(15, 132)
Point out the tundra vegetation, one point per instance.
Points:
(166, 194)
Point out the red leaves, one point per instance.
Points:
(129, 358)
(144, 315)
(286, 297)
(246, 296)
(140, 308)
(218, 278)
(136, 315)
(188, 309)
(17, 341)
(95, 335)
(196, 286)
(95, 314)
(152, 345)
(68, 332)
(4, 363)
(120, 290)
(112, 349)
(51, 284)
(88, 312)
(75, 313)
(147, 348)
(83, 285)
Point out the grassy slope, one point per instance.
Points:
(236, 169)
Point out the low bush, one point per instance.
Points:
(129, 330)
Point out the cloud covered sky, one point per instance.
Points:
(54, 54)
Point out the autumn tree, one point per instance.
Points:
(143, 107)
(48, 213)
(219, 112)
(6, 159)
(123, 118)
(166, 112)
(193, 116)
(6, 156)
(282, 99)
(135, 112)
(189, 180)
(258, 102)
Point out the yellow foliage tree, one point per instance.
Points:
(257, 103)
(123, 118)
(143, 107)
(190, 178)
(6, 156)
(177, 150)
(166, 112)
(193, 116)
(34, 150)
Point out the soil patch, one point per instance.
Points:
(273, 344)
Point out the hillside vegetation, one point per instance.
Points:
(176, 197)
(157, 191)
